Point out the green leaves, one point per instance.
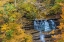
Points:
(28, 7)
(31, 16)
(61, 41)
(30, 10)
(9, 7)
(56, 8)
(11, 19)
(9, 34)
(59, 1)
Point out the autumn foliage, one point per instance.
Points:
(12, 11)
(60, 37)
(10, 27)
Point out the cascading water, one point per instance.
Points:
(42, 37)
(39, 25)
(44, 25)
(47, 27)
(53, 24)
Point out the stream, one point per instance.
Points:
(44, 25)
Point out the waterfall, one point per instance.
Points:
(39, 25)
(35, 25)
(53, 24)
(42, 25)
(47, 27)
(42, 37)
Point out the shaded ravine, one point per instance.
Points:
(28, 26)
(44, 26)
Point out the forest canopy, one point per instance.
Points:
(12, 13)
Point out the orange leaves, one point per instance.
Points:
(62, 9)
(1, 15)
(17, 33)
(61, 26)
(62, 16)
(62, 4)
(56, 36)
(4, 27)
(1, 9)
(62, 13)
(62, 36)
(52, 32)
(2, 2)
(12, 31)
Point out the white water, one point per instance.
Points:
(47, 27)
(42, 37)
(38, 28)
(53, 24)
(35, 25)
(44, 25)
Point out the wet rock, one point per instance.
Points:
(47, 36)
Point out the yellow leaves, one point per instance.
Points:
(1, 15)
(62, 4)
(61, 26)
(27, 36)
(9, 26)
(12, 18)
(9, 13)
(2, 2)
(19, 34)
(20, 38)
(30, 0)
(56, 36)
(11, 0)
(4, 27)
(61, 40)
(1, 8)
(52, 32)
(26, 6)
(14, 15)
(62, 36)
(62, 16)
(63, 11)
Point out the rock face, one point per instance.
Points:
(0, 39)
(54, 16)
(29, 27)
